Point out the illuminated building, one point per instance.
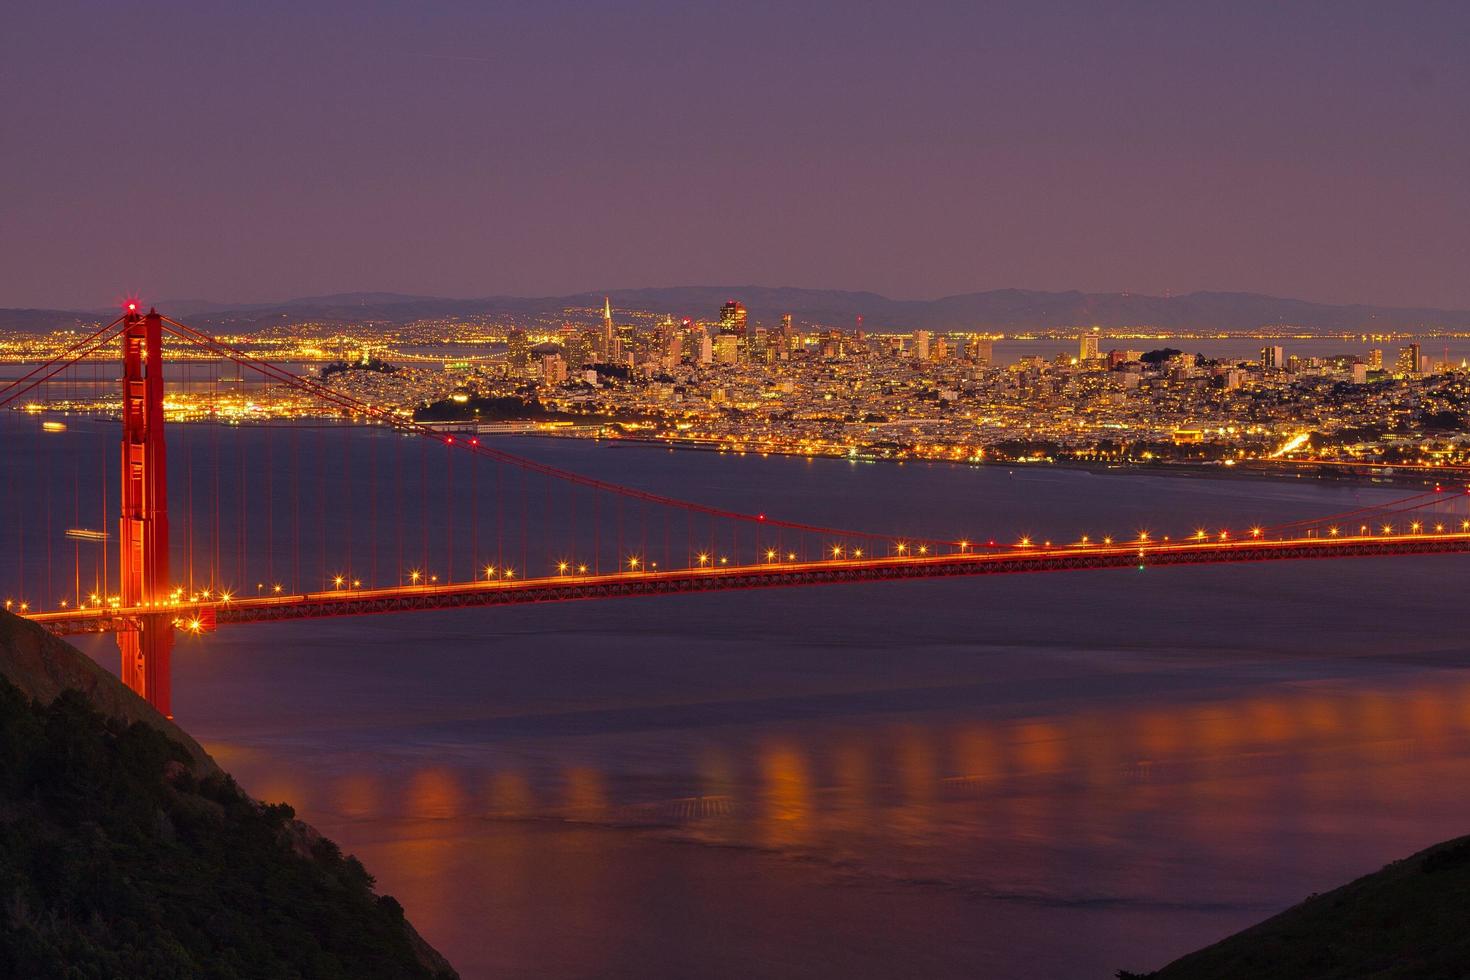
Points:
(553, 369)
(609, 338)
(732, 319)
(1087, 348)
(1272, 358)
(1375, 359)
(518, 353)
(980, 351)
(920, 345)
(1410, 362)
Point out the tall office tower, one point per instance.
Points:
(574, 344)
(760, 346)
(786, 325)
(1409, 360)
(553, 369)
(1088, 345)
(1272, 358)
(727, 348)
(732, 318)
(608, 332)
(920, 347)
(980, 351)
(1375, 359)
(518, 353)
(706, 347)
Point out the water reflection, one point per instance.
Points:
(1216, 771)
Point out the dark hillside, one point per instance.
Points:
(126, 853)
(1410, 921)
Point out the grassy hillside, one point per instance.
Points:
(1410, 921)
(123, 854)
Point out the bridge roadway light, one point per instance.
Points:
(791, 556)
(857, 552)
(770, 554)
(276, 588)
(581, 569)
(632, 563)
(923, 549)
(901, 548)
(561, 568)
(703, 558)
(1256, 532)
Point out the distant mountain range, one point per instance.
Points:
(998, 309)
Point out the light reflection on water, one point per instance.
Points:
(1159, 820)
(1035, 776)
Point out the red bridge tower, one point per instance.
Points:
(144, 524)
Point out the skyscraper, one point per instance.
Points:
(518, 353)
(732, 318)
(609, 348)
(1410, 362)
(1088, 345)
(1272, 358)
(919, 345)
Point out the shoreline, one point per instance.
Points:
(1390, 476)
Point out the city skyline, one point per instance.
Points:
(538, 149)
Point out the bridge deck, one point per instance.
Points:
(561, 588)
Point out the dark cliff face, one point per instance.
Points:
(125, 851)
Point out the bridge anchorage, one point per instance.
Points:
(528, 532)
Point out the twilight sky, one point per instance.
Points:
(262, 150)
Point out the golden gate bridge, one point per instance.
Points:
(450, 521)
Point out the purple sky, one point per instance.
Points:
(262, 150)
